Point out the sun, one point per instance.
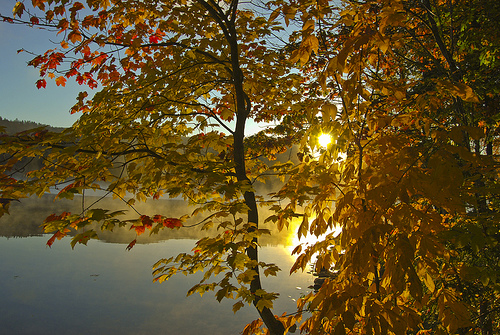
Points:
(324, 140)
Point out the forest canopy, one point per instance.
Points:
(408, 91)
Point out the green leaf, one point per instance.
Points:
(263, 303)
(83, 238)
(237, 306)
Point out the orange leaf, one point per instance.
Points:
(61, 81)
(77, 6)
(59, 235)
(74, 36)
(139, 229)
(38, 3)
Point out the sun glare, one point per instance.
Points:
(309, 239)
(324, 140)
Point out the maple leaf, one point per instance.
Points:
(131, 245)
(172, 223)
(404, 164)
(41, 83)
(72, 72)
(61, 81)
(74, 36)
(154, 39)
(55, 217)
(139, 229)
(39, 3)
(59, 235)
(146, 221)
(18, 9)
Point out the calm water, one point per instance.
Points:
(104, 289)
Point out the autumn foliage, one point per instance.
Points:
(408, 90)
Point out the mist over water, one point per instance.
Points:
(104, 289)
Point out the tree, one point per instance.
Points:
(407, 89)
(170, 119)
(416, 195)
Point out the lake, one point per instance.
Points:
(104, 289)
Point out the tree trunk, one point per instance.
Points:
(242, 111)
(274, 325)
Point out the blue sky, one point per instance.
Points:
(19, 97)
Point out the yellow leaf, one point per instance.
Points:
(264, 303)
(312, 43)
(237, 306)
(308, 25)
(399, 95)
(18, 9)
(274, 14)
(429, 282)
(460, 90)
(329, 111)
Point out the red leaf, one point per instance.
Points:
(172, 223)
(71, 73)
(92, 84)
(154, 39)
(41, 83)
(146, 221)
(70, 186)
(51, 240)
(54, 217)
(80, 80)
(34, 20)
(131, 245)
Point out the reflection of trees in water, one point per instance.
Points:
(27, 216)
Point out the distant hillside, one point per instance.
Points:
(13, 127)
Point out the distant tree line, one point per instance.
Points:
(13, 127)
(22, 128)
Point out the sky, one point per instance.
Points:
(19, 97)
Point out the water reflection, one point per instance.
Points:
(103, 289)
